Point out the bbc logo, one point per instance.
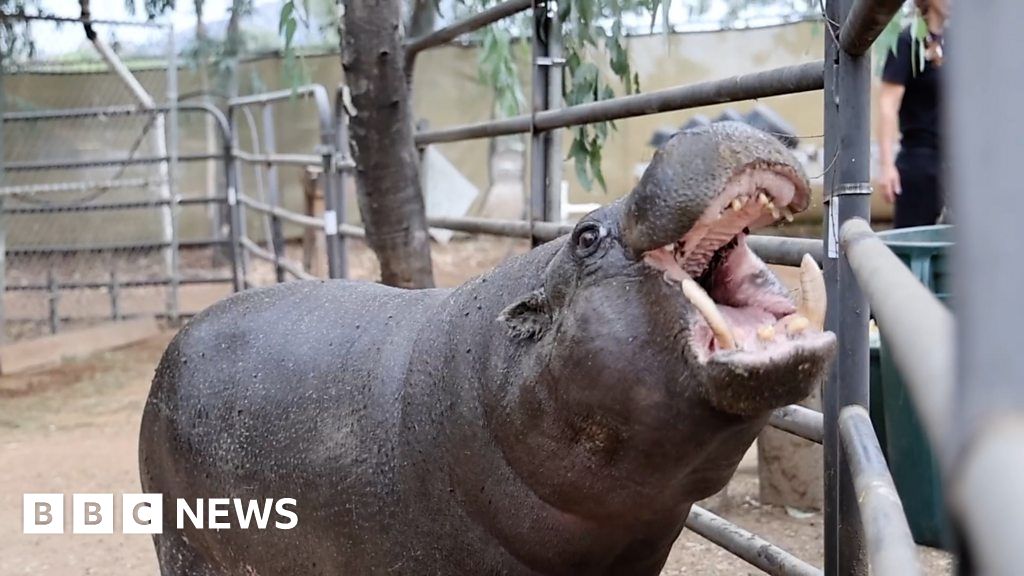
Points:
(92, 513)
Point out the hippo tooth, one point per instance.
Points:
(766, 333)
(706, 306)
(737, 204)
(763, 199)
(797, 324)
(775, 211)
(787, 214)
(813, 302)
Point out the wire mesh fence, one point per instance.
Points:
(97, 225)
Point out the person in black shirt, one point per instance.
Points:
(908, 104)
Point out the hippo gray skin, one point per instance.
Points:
(557, 415)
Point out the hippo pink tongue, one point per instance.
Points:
(741, 303)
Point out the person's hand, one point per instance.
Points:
(890, 183)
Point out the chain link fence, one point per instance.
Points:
(97, 225)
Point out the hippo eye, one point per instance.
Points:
(587, 238)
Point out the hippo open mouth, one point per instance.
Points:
(746, 316)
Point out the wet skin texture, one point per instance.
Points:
(545, 418)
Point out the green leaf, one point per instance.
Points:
(287, 15)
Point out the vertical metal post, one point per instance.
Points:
(555, 102)
(172, 152)
(338, 173)
(982, 84)
(273, 191)
(236, 251)
(115, 295)
(53, 300)
(539, 176)
(847, 192)
(3, 217)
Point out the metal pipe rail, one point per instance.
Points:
(778, 81)
(783, 250)
(750, 547)
(331, 162)
(799, 421)
(287, 215)
(918, 329)
(479, 20)
(120, 110)
(890, 546)
(103, 206)
(42, 287)
(74, 163)
(48, 187)
(284, 263)
(866, 20)
(14, 251)
(278, 158)
(512, 228)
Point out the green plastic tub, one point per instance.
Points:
(914, 468)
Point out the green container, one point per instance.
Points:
(914, 468)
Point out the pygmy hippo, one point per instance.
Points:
(557, 415)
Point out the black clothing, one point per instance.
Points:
(919, 112)
(922, 200)
(920, 158)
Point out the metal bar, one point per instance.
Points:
(847, 193)
(545, 231)
(305, 91)
(3, 217)
(105, 112)
(343, 153)
(539, 141)
(890, 546)
(236, 218)
(479, 20)
(47, 18)
(747, 546)
(84, 318)
(803, 422)
(785, 80)
(132, 205)
(172, 170)
(784, 251)
(25, 189)
(115, 296)
(983, 448)
(555, 158)
(53, 301)
(283, 214)
(15, 251)
(72, 164)
(866, 20)
(280, 158)
(39, 287)
(273, 192)
(918, 329)
(288, 266)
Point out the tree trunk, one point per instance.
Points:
(387, 161)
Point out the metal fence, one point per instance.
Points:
(865, 526)
(864, 522)
(90, 201)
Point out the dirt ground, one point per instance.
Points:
(74, 428)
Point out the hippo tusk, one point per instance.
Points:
(813, 302)
(706, 306)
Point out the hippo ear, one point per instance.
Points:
(527, 317)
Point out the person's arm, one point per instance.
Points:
(895, 75)
(890, 96)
